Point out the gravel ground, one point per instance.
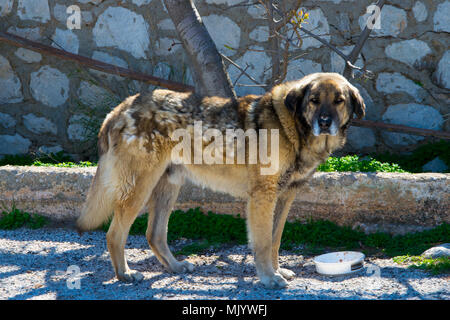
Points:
(41, 264)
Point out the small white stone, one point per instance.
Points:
(28, 55)
(49, 86)
(408, 51)
(92, 95)
(441, 17)
(442, 250)
(257, 11)
(420, 11)
(36, 10)
(141, 2)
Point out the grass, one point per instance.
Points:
(16, 218)
(435, 266)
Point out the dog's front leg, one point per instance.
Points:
(261, 205)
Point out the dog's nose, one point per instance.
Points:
(324, 122)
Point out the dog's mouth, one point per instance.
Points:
(327, 127)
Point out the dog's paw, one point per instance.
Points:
(182, 267)
(130, 276)
(275, 281)
(286, 273)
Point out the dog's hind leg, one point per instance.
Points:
(160, 206)
(126, 208)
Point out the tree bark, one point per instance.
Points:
(208, 69)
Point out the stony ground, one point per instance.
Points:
(42, 264)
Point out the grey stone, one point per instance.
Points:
(66, 40)
(224, 32)
(166, 24)
(49, 86)
(39, 124)
(90, 1)
(107, 58)
(435, 165)
(6, 121)
(226, 2)
(15, 144)
(301, 67)
(258, 62)
(408, 51)
(257, 11)
(260, 34)
(318, 24)
(6, 7)
(92, 95)
(165, 46)
(45, 150)
(413, 115)
(28, 33)
(396, 82)
(60, 13)
(360, 138)
(420, 11)
(76, 131)
(441, 17)
(440, 251)
(442, 74)
(393, 21)
(28, 56)
(141, 2)
(114, 27)
(11, 88)
(36, 10)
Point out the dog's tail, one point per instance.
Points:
(99, 204)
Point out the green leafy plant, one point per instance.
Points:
(434, 265)
(354, 163)
(17, 218)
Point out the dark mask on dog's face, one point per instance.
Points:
(325, 104)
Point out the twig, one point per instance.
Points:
(240, 69)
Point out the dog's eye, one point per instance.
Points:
(339, 100)
(315, 100)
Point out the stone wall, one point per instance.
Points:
(391, 202)
(49, 105)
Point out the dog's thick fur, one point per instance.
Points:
(135, 168)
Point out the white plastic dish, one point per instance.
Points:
(339, 263)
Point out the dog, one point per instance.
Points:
(137, 169)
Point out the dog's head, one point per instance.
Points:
(325, 102)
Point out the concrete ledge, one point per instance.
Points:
(392, 202)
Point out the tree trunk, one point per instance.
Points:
(208, 69)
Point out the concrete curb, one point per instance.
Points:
(392, 202)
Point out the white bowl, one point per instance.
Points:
(338, 263)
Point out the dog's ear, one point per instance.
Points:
(359, 108)
(294, 99)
